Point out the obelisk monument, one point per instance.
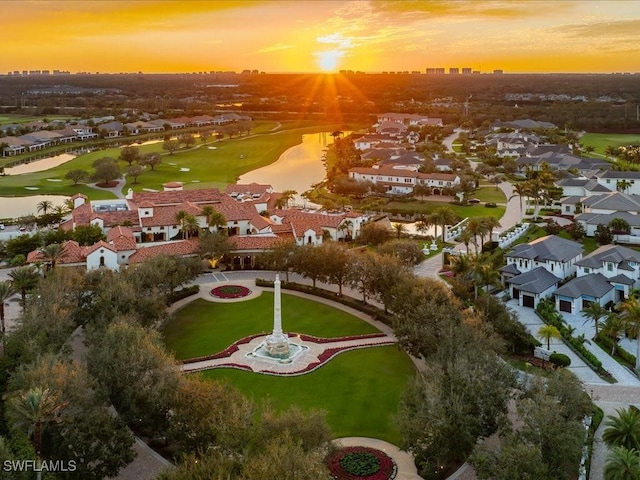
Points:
(277, 344)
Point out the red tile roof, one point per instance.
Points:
(259, 242)
(184, 247)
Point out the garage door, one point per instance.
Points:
(566, 306)
(516, 293)
(586, 303)
(528, 301)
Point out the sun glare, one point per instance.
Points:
(328, 61)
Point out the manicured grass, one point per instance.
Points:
(206, 167)
(360, 390)
(461, 211)
(600, 141)
(203, 328)
(490, 194)
(19, 119)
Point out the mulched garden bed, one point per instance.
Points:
(361, 463)
(230, 291)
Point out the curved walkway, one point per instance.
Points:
(406, 466)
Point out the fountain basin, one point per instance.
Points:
(261, 352)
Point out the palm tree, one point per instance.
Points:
(214, 218)
(443, 216)
(595, 312)
(619, 225)
(283, 201)
(489, 224)
(346, 226)
(623, 429)
(44, 206)
(485, 275)
(400, 229)
(32, 411)
(611, 151)
(631, 319)
(53, 253)
(422, 225)
(465, 237)
(24, 279)
(547, 332)
(622, 464)
(474, 227)
(6, 291)
(623, 185)
(190, 225)
(612, 327)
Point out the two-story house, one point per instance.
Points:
(606, 274)
(534, 269)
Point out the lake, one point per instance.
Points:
(14, 207)
(298, 168)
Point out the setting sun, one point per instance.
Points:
(328, 61)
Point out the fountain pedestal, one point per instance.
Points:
(277, 344)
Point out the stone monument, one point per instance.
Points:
(277, 344)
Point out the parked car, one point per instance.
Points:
(474, 200)
(1, 226)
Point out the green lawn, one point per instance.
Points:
(490, 194)
(19, 119)
(203, 328)
(360, 390)
(601, 140)
(461, 211)
(201, 167)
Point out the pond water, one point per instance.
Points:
(14, 207)
(40, 165)
(298, 168)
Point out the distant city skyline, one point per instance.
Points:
(151, 36)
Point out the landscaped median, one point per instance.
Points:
(547, 312)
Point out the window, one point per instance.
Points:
(587, 270)
(610, 267)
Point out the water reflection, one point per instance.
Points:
(40, 165)
(14, 207)
(297, 169)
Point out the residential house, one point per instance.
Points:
(606, 274)
(399, 181)
(409, 119)
(555, 255)
(626, 182)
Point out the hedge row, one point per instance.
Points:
(173, 297)
(371, 310)
(547, 311)
(607, 344)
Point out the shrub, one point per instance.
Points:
(560, 359)
(18, 260)
(173, 297)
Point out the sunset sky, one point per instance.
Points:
(311, 36)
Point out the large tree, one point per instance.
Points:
(129, 154)
(106, 170)
(84, 430)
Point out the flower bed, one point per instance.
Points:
(361, 463)
(230, 291)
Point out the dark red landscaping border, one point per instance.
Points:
(388, 468)
(231, 349)
(219, 292)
